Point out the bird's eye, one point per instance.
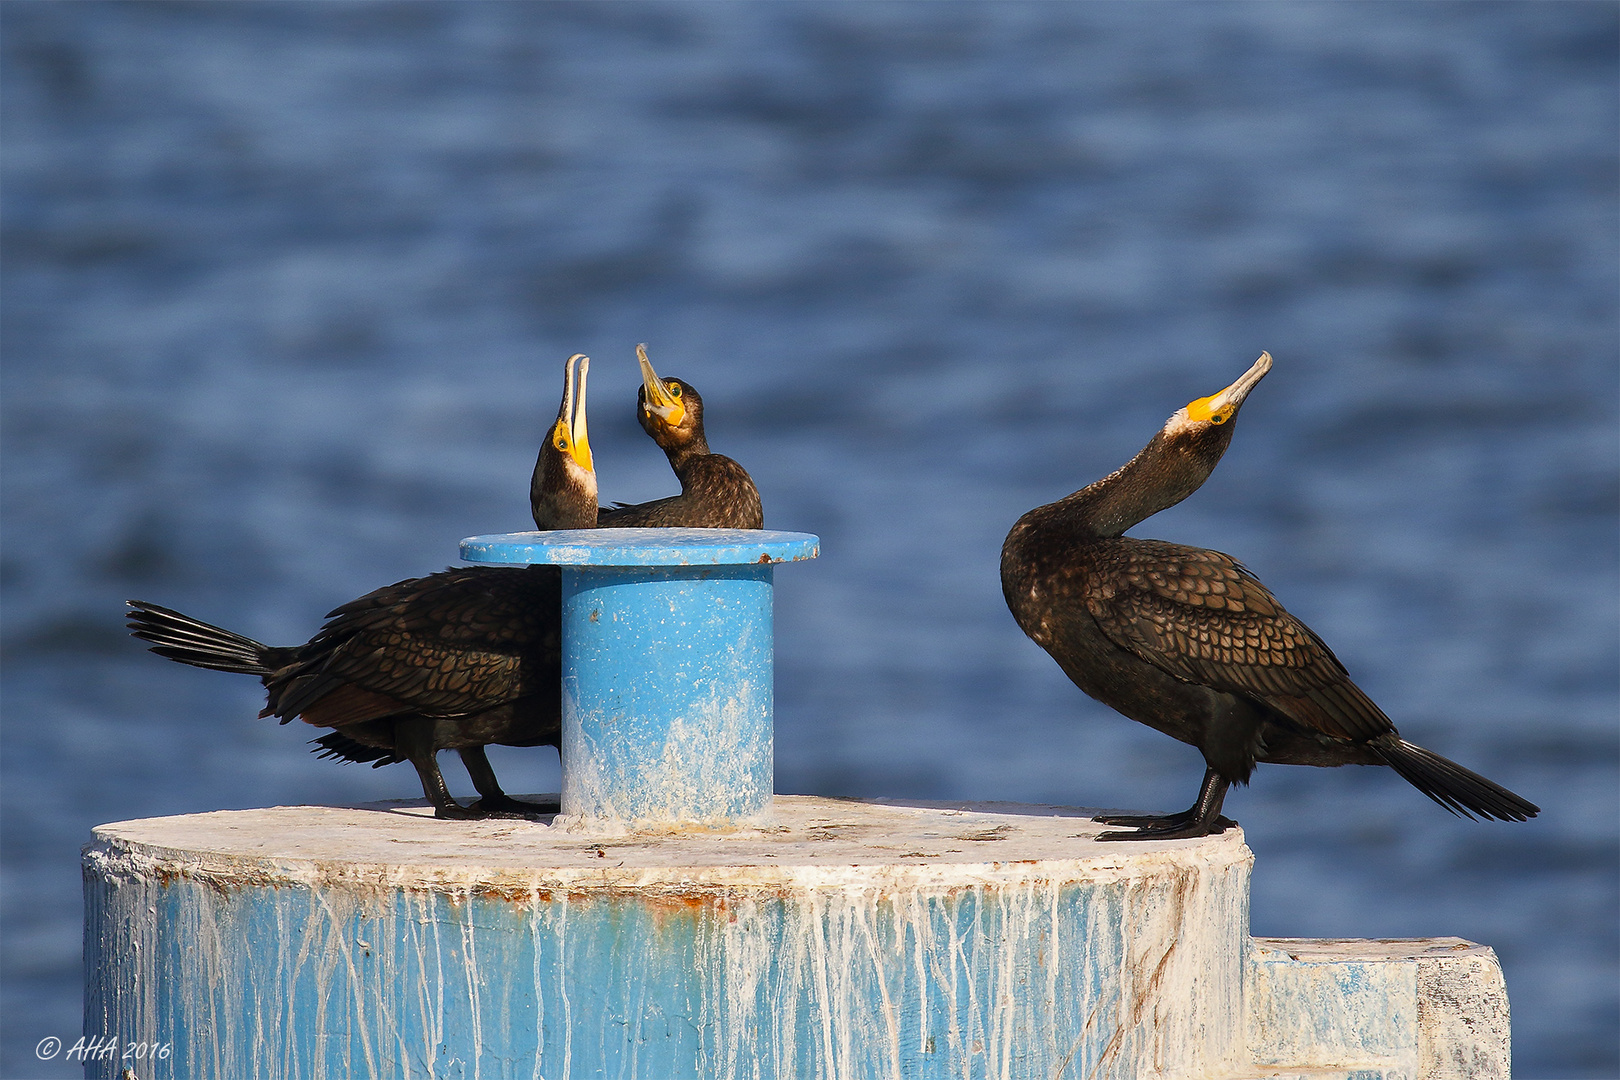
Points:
(674, 389)
(561, 442)
(1219, 418)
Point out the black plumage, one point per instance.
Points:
(716, 492)
(1190, 643)
(456, 660)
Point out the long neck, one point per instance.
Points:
(560, 497)
(681, 453)
(1161, 475)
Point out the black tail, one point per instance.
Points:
(190, 641)
(340, 746)
(1457, 789)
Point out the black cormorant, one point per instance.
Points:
(562, 490)
(1187, 641)
(453, 661)
(716, 492)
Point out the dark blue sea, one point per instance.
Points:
(287, 288)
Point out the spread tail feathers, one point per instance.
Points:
(1457, 789)
(191, 641)
(340, 746)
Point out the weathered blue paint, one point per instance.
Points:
(850, 941)
(667, 694)
(641, 547)
(814, 950)
(667, 669)
(1434, 1007)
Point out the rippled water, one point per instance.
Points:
(287, 288)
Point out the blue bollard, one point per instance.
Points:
(667, 670)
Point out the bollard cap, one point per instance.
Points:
(642, 547)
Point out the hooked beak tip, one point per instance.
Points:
(1248, 380)
(656, 400)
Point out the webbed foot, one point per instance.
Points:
(505, 806)
(1169, 827)
(454, 811)
(1202, 818)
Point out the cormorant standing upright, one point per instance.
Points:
(453, 661)
(716, 492)
(1188, 642)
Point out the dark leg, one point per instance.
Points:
(1202, 818)
(494, 800)
(414, 739)
(427, 767)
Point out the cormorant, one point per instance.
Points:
(562, 490)
(452, 661)
(716, 492)
(1190, 643)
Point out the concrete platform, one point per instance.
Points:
(850, 939)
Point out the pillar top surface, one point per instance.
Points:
(642, 547)
(814, 840)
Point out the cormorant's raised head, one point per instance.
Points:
(670, 410)
(1192, 442)
(1199, 419)
(562, 492)
(1174, 463)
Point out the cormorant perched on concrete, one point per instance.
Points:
(1188, 642)
(453, 661)
(716, 492)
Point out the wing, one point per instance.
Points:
(449, 644)
(716, 493)
(1202, 617)
(659, 513)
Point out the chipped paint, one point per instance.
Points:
(847, 940)
(321, 942)
(641, 547)
(1404, 1009)
(667, 697)
(667, 671)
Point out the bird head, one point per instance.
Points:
(669, 410)
(562, 492)
(1202, 419)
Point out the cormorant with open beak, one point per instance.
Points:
(562, 491)
(1188, 642)
(456, 660)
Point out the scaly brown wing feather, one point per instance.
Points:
(462, 641)
(1202, 617)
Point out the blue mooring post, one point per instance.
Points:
(667, 669)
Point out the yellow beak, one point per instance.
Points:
(570, 430)
(1218, 408)
(660, 402)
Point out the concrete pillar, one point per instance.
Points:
(848, 940)
(1429, 1008)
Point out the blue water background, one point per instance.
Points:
(287, 289)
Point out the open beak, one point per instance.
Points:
(574, 402)
(660, 402)
(1218, 408)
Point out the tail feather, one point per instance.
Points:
(340, 746)
(191, 641)
(1459, 790)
